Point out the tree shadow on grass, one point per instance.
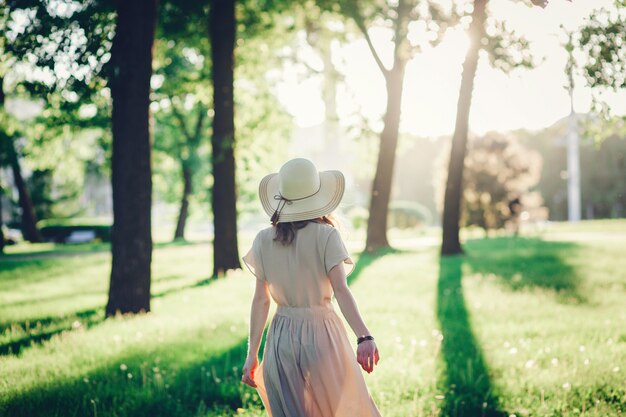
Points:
(201, 283)
(50, 299)
(74, 294)
(38, 330)
(60, 249)
(522, 263)
(175, 379)
(467, 387)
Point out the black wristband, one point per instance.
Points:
(363, 339)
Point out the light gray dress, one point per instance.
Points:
(309, 368)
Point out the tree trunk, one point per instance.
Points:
(223, 198)
(187, 156)
(381, 187)
(454, 185)
(29, 219)
(184, 203)
(394, 79)
(2, 239)
(131, 245)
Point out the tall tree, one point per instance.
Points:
(506, 51)
(187, 161)
(130, 73)
(10, 155)
(394, 81)
(3, 241)
(182, 124)
(222, 31)
(452, 199)
(181, 104)
(399, 14)
(29, 219)
(182, 101)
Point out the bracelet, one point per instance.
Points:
(363, 339)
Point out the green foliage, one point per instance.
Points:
(262, 126)
(603, 41)
(67, 42)
(263, 132)
(601, 44)
(60, 52)
(64, 159)
(183, 108)
(181, 103)
(497, 170)
(507, 50)
(55, 69)
(66, 49)
(435, 18)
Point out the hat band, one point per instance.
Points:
(285, 201)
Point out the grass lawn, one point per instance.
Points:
(529, 326)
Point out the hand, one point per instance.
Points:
(249, 368)
(367, 355)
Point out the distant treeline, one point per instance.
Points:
(603, 172)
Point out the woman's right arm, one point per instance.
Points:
(258, 317)
(367, 352)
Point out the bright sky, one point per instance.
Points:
(530, 99)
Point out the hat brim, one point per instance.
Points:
(332, 186)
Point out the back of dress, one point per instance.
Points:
(297, 273)
(308, 368)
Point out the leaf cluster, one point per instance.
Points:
(67, 44)
(506, 49)
(603, 40)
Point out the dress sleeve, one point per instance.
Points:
(335, 253)
(253, 260)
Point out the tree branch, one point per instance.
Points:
(310, 68)
(181, 122)
(360, 23)
(199, 124)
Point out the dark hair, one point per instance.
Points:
(286, 232)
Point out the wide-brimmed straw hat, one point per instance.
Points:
(300, 192)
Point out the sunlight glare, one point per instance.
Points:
(531, 99)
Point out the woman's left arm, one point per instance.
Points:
(367, 352)
(258, 317)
